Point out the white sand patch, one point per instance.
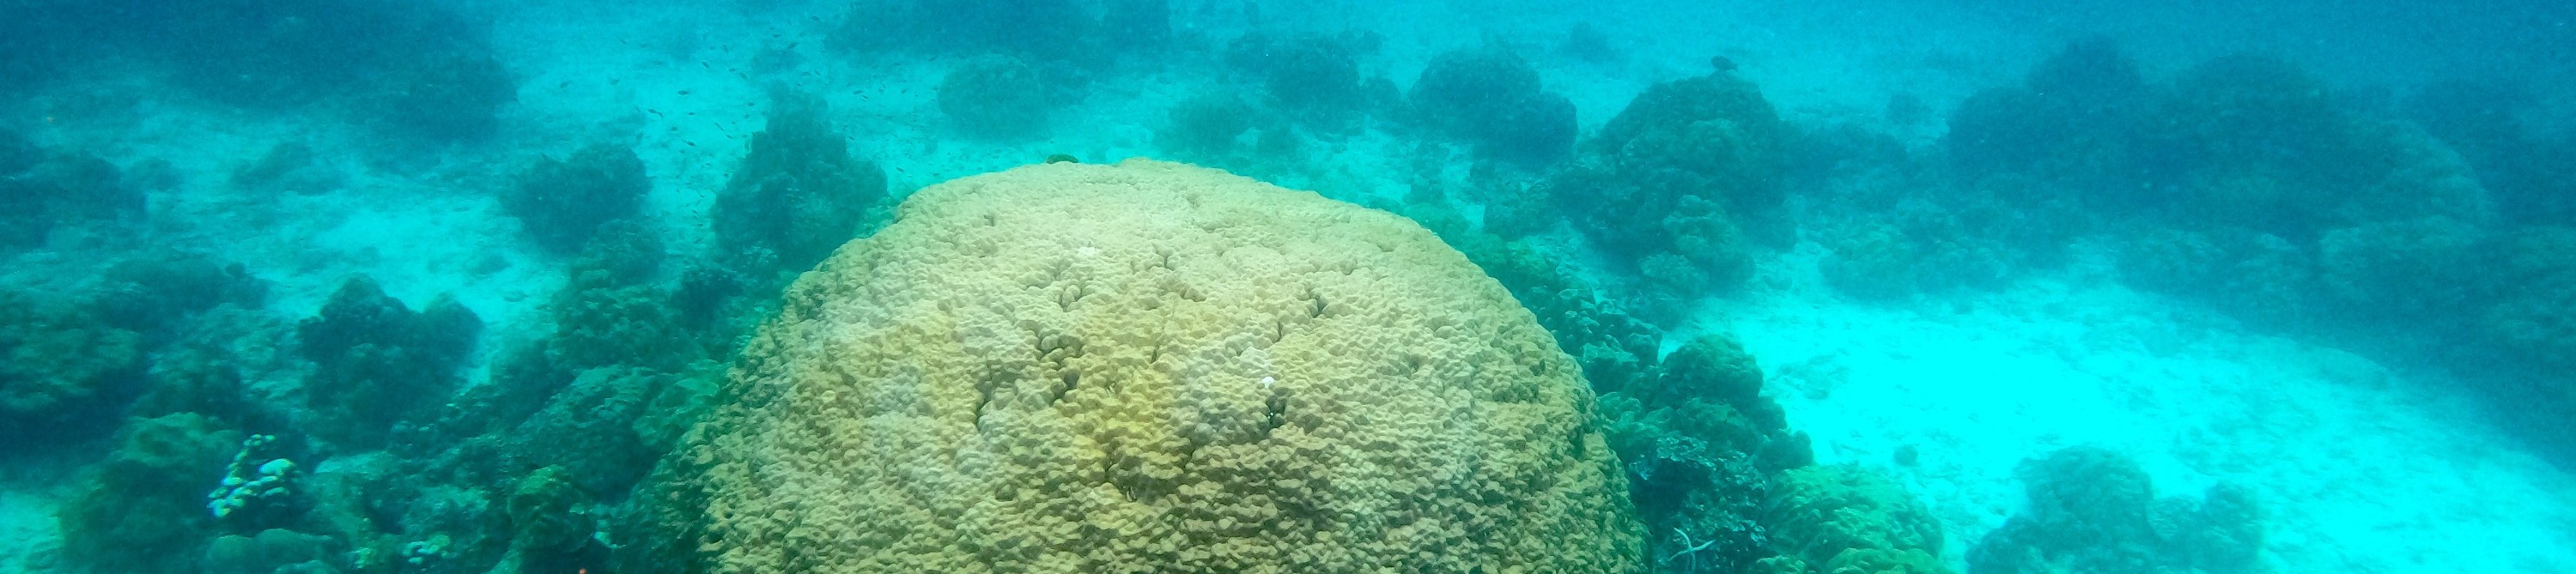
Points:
(2361, 470)
(29, 539)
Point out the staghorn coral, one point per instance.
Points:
(1144, 367)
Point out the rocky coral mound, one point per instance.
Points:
(1147, 367)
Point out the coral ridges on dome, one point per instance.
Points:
(1076, 367)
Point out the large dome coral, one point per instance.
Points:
(1148, 367)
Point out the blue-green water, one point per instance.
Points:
(2177, 286)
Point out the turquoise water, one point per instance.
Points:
(378, 286)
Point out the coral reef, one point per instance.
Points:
(143, 509)
(2493, 122)
(1313, 77)
(1230, 130)
(2074, 112)
(997, 98)
(1701, 445)
(1208, 127)
(154, 292)
(2537, 320)
(1143, 26)
(1876, 263)
(550, 528)
(289, 167)
(1492, 98)
(1831, 519)
(2532, 327)
(1704, 451)
(44, 189)
(1588, 43)
(66, 373)
(2238, 141)
(1037, 30)
(449, 96)
(1613, 347)
(270, 551)
(1144, 366)
(561, 202)
(703, 295)
(590, 427)
(2249, 185)
(378, 362)
(2417, 271)
(611, 313)
(2094, 510)
(421, 71)
(258, 485)
(1677, 186)
(798, 194)
(1713, 132)
(576, 397)
(2261, 279)
(17, 153)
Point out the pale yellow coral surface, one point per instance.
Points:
(1154, 367)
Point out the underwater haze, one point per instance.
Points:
(1919, 287)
